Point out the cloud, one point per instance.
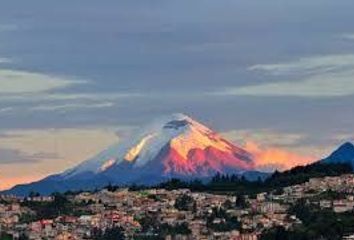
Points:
(5, 60)
(321, 76)
(8, 27)
(343, 137)
(265, 137)
(23, 91)
(39, 97)
(273, 150)
(33, 89)
(15, 156)
(6, 110)
(329, 85)
(17, 82)
(309, 65)
(71, 106)
(348, 36)
(271, 158)
(8, 135)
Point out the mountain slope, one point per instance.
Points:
(173, 146)
(344, 154)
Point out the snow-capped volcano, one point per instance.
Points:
(172, 146)
(177, 144)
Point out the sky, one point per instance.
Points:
(276, 77)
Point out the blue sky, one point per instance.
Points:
(250, 69)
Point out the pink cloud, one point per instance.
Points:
(270, 158)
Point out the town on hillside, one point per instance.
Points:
(320, 208)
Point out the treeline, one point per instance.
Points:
(236, 184)
(302, 174)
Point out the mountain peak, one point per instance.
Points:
(176, 120)
(173, 117)
(345, 151)
(343, 154)
(171, 121)
(347, 146)
(175, 144)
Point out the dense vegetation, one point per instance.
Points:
(4, 236)
(316, 224)
(240, 185)
(302, 174)
(226, 222)
(114, 233)
(152, 229)
(49, 210)
(174, 230)
(185, 203)
(277, 180)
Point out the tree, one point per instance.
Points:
(96, 233)
(184, 203)
(33, 194)
(114, 233)
(173, 230)
(241, 201)
(23, 237)
(227, 223)
(227, 204)
(278, 191)
(5, 236)
(148, 223)
(277, 233)
(195, 207)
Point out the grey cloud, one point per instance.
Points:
(14, 156)
(71, 106)
(8, 27)
(5, 60)
(348, 36)
(19, 81)
(318, 76)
